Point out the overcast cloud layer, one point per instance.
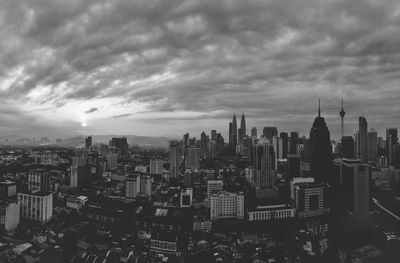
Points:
(166, 67)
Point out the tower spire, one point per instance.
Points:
(319, 108)
(342, 113)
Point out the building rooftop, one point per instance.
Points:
(311, 185)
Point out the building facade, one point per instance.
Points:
(37, 208)
(311, 199)
(227, 205)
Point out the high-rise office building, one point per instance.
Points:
(362, 140)
(186, 140)
(372, 146)
(285, 143)
(293, 166)
(230, 135)
(391, 139)
(188, 179)
(270, 132)
(294, 141)
(277, 144)
(39, 181)
(88, 142)
(214, 186)
(213, 135)
(243, 127)
(132, 185)
(227, 205)
(254, 132)
(396, 156)
(355, 184)
(234, 134)
(203, 144)
(193, 158)
(173, 159)
(297, 180)
(320, 149)
(347, 149)
(36, 207)
(311, 199)
(111, 161)
(121, 145)
(220, 143)
(305, 154)
(80, 172)
(156, 166)
(265, 163)
(240, 137)
(193, 142)
(145, 185)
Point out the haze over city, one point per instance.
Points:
(161, 68)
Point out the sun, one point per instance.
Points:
(83, 124)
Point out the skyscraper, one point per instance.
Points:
(362, 143)
(254, 132)
(372, 146)
(192, 161)
(132, 185)
(156, 166)
(234, 131)
(293, 166)
(240, 137)
(270, 132)
(80, 172)
(213, 135)
(391, 139)
(173, 159)
(285, 144)
(294, 140)
(265, 164)
(243, 126)
(311, 199)
(39, 181)
(320, 150)
(355, 179)
(396, 156)
(277, 144)
(347, 149)
(220, 143)
(121, 144)
(186, 140)
(88, 142)
(203, 144)
(342, 113)
(230, 135)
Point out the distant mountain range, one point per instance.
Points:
(147, 141)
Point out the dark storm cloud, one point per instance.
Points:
(91, 110)
(213, 57)
(121, 115)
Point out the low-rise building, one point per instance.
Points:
(270, 212)
(9, 214)
(164, 242)
(227, 205)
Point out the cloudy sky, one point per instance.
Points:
(165, 67)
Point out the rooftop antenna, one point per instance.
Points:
(319, 108)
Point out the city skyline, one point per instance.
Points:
(171, 131)
(131, 67)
